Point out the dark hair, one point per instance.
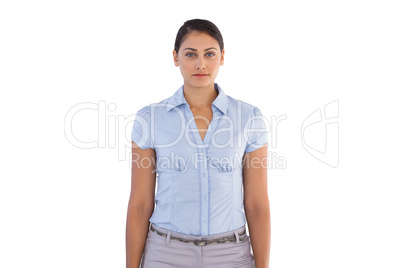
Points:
(198, 25)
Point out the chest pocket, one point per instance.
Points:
(222, 168)
(171, 166)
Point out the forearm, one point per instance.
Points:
(137, 227)
(259, 225)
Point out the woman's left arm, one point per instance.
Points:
(256, 204)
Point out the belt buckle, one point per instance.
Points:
(200, 242)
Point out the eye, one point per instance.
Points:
(211, 54)
(189, 54)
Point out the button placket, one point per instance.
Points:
(204, 179)
(204, 193)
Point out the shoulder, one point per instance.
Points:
(244, 107)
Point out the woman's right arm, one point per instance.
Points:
(141, 203)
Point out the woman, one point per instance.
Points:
(193, 141)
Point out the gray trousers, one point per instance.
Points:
(161, 252)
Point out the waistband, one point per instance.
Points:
(204, 237)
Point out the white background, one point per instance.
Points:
(65, 206)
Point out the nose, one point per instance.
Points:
(200, 63)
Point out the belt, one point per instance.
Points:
(220, 240)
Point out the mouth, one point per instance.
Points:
(200, 75)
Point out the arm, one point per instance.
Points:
(141, 203)
(256, 204)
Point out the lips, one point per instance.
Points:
(200, 75)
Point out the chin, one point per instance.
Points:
(202, 83)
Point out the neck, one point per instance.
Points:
(200, 97)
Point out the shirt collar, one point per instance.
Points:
(221, 101)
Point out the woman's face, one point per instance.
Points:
(199, 53)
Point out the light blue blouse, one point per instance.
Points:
(199, 182)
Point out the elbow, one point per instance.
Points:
(141, 212)
(256, 209)
(146, 208)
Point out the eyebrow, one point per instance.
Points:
(193, 49)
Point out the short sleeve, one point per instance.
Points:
(141, 133)
(257, 133)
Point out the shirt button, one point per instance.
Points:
(203, 173)
(204, 198)
(204, 223)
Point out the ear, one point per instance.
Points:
(222, 57)
(175, 58)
